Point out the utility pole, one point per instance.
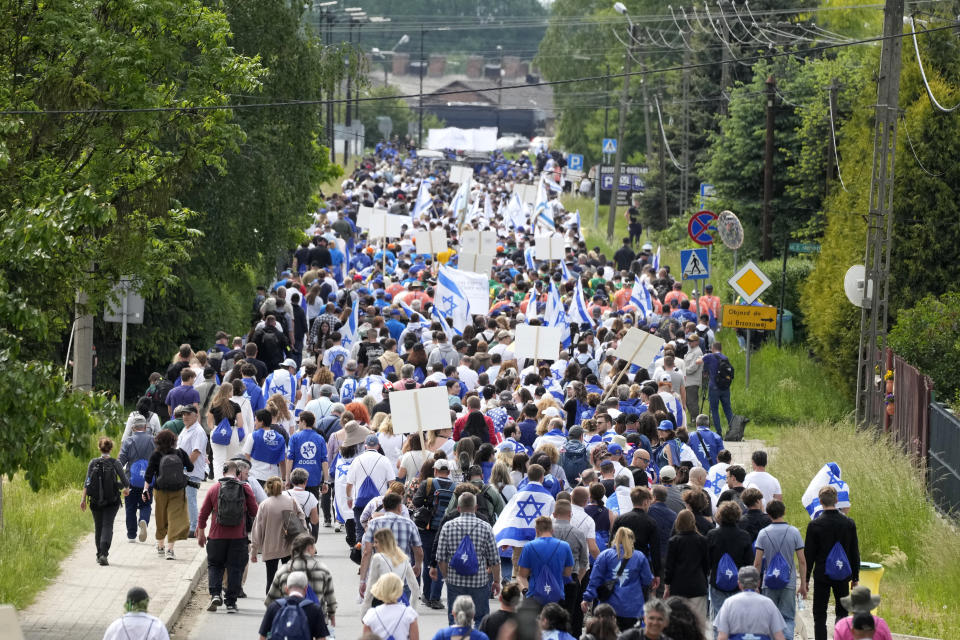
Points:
(606, 107)
(685, 152)
(766, 248)
(662, 159)
(420, 101)
(624, 105)
(347, 121)
(873, 315)
(725, 62)
(331, 93)
(647, 106)
(83, 345)
(499, 88)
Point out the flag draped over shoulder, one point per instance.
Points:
(515, 526)
(451, 300)
(542, 213)
(340, 468)
(828, 474)
(619, 501)
(349, 329)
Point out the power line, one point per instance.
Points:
(833, 133)
(528, 85)
(923, 74)
(914, 151)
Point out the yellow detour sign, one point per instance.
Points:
(742, 316)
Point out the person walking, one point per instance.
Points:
(135, 451)
(193, 441)
(688, 564)
(369, 476)
(461, 628)
(564, 530)
(860, 603)
(748, 613)
(228, 504)
(656, 618)
(510, 597)
(646, 536)
(276, 519)
(720, 375)
(430, 500)
(619, 578)
(307, 450)
(274, 620)
(466, 553)
(730, 548)
(303, 557)
(389, 558)
(226, 424)
(392, 619)
(544, 565)
(166, 478)
(104, 483)
(832, 552)
(266, 448)
(776, 545)
(136, 622)
(305, 498)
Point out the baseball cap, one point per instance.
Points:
(665, 425)
(371, 440)
(441, 464)
(188, 408)
(614, 449)
(506, 396)
(289, 362)
(664, 377)
(668, 473)
(606, 463)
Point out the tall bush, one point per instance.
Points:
(928, 337)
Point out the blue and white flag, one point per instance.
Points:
(515, 211)
(716, 482)
(828, 474)
(439, 317)
(574, 221)
(341, 467)
(619, 501)
(553, 304)
(565, 272)
(451, 299)
(578, 306)
(348, 331)
(423, 198)
(531, 305)
(515, 526)
(553, 185)
(656, 261)
(283, 382)
(542, 212)
(555, 314)
(640, 296)
(461, 201)
(529, 259)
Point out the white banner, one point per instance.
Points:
(549, 247)
(384, 225)
(479, 242)
(479, 139)
(460, 173)
(431, 242)
(475, 263)
(363, 217)
(535, 343)
(639, 347)
(420, 410)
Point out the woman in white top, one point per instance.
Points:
(412, 458)
(389, 442)
(440, 440)
(388, 558)
(243, 402)
(225, 439)
(500, 479)
(277, 405)
(392, 619)
(307, 501)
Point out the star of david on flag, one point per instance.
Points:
(542, 212)
(515, 526)
(423, 197)
(349, 330)
(578, 306)
(829, 474)
(453, 302)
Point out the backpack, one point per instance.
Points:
(704, 339)
(726, 574)
(574, 460)
(725, 374)
(138, 471)
(548, 587)
(222, 433)
(838, 564)
(475, 425)
(777, 575)
(485, 507)
(430, 516)
(231, 503)
(158, 403)
(170, 475)
(103, 489)
(368, 490)
(464, 560)
(290, 622)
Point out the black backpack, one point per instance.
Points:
(170, 475)
(704, 339)
(485, 506)
(158, 403)
(103, 490)
(231, 503)
(725, 374)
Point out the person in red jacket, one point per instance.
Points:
(473, 406)
(227, 544)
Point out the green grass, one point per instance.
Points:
(40, 529)
(896, 523)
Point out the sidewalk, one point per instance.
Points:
(80, 602)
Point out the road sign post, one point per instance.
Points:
(749, 282)
(694, 264)
(131, 310)
(701, 227)
(609, 146)
(575, 162)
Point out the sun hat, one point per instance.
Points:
(860, 600)
(356, 433)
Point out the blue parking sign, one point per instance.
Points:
(575, 162)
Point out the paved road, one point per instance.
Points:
(198, 624)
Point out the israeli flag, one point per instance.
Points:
(640, 296)
(553, 185)
(451, 300)
(436, 315)
(423, 198)
(515, 212)
(716, 482)
(487, 207)
(656, 261)
(578, 306)
(283, 382)
(341, 467)
(574, 221)
(556, 314)
(553, 303)
(515, 526)
(828, 474)
(565, 271)
(461, 201)
(349, 330)
(531, 304)
(528, 258)
(542, 212)
(619, 501)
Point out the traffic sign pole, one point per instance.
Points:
(746, 369)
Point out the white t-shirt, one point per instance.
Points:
(412, 461)
(468, 377)
(390, 620)
(766, 483)
(373, 465)
(391, 446)
(191, 439)
(307, 501)
(258, 470)
(142, 626)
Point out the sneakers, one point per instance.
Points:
(132, 540)
(215, 602)
(327, 524)
(435, 604)
(102, 561)
(232, 608)
(338, 528)
(242, 594)
(192, 534)
(170, 555)
(160, 550)
(142, 536)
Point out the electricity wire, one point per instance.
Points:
(923, 74)
(914, 151)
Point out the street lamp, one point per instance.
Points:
(624, 103)
(387, 56)
(499, 88)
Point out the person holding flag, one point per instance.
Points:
(451, 300)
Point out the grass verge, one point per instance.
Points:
(40, 529)
(897, 524)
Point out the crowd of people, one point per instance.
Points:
(589, 495)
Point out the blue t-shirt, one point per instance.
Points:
(553, 553)
(528, 432)
(182, 395)
(456, 632)
(308, 451)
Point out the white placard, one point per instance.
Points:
(460, 173)
(475, 263)
(363, 217)
(474, 286)
(479, 242)
(526, 192)
(384, 225)
(639, 347)
(420, 410)
(548, 247)
(537, 343)
(431, 242)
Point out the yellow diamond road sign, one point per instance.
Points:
(749, 282)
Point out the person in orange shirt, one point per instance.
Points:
(709, 303)
(622, 297)
(677, 294)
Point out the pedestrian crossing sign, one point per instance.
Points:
(695, 263)
(609, 145)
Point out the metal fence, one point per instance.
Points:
(910, 422)
(943, 458)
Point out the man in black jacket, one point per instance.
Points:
(645, 533)
(754, 519)
(727, 538)
(829, 528)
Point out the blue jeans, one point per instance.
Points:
(720, 397)
(137, 510)
(717, 598)
(786, 601)
(479, 595)
(431, 588)
(192, 505)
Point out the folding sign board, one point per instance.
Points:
(475, 287)
(639, 347)
(527, 192)
(431, 242)
(537, 343)
(475, 263)
(384, 225)
(548, 247)
(420, 410)
(479, 242)
(460, 173)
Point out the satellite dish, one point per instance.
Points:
(858, 291)
(730, 229)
